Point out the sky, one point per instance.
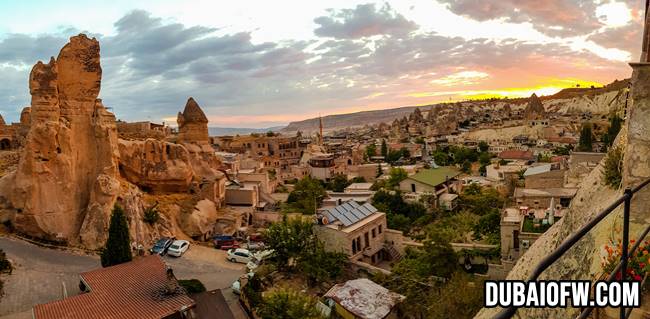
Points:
(267, 63)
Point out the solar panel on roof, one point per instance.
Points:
(350, 212)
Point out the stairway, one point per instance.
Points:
(394, 254)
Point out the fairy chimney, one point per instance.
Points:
(192, 124)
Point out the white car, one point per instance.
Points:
(258, 258)
(239, 255)
(178, 248)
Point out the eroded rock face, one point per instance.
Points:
(65, 185)
(156, 165)
(200, 221)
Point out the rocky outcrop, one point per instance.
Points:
(65, 185)
(192, 124)
(156, 165)
(200, 221)
(534, 110)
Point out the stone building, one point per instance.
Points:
(192, 124)
(359, 231)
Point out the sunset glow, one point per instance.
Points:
(247, 68)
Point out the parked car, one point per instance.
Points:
(258, 259)
(239, 255)
(254, 245)
(178, 248)
(161, 246)
(225, 242)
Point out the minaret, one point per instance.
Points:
(320, 125)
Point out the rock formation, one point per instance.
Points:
(534, 110)
(192, 124)
(156, 165)
(65, 184)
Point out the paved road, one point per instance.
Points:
(40, 274)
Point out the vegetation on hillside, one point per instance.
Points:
(613, 170)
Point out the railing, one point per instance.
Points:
(625, 199)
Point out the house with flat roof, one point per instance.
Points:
(144, 288)
(434, 181)
(356, 230)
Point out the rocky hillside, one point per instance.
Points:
(572, 100)
(357, 119)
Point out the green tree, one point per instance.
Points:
(489, 227)
(585, 142)
(483, 146)
(371, 150)
(440, 158)
(319, 265)
(460, 297)
(289, 239)
(396, 176)
(358, 179)
(436, 258)
(379, 170)
(338, 183)
(307, 194)
(288, 304)
(615, 123)
(480, 201)
(399, 222)
(117, 249)
(384, 148)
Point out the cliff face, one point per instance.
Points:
(65, 184)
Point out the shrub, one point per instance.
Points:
(151, 215)
(613, 171)
(192, 286)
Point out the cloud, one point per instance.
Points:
(364, 57)
(553, 17)
(363, 21)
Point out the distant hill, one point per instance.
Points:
(219, 131)
(356, 119)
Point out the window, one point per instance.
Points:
(379, 229)
(373, 233)
(354, 247)
(413, 188)
(366, 240)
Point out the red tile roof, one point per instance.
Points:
(129, 290)
(516, 154)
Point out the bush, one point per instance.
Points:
(192, 286)
(613, 171)
(151, 215)
(288, 304)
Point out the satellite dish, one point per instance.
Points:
(324, 220)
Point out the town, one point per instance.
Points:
(403, 215)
